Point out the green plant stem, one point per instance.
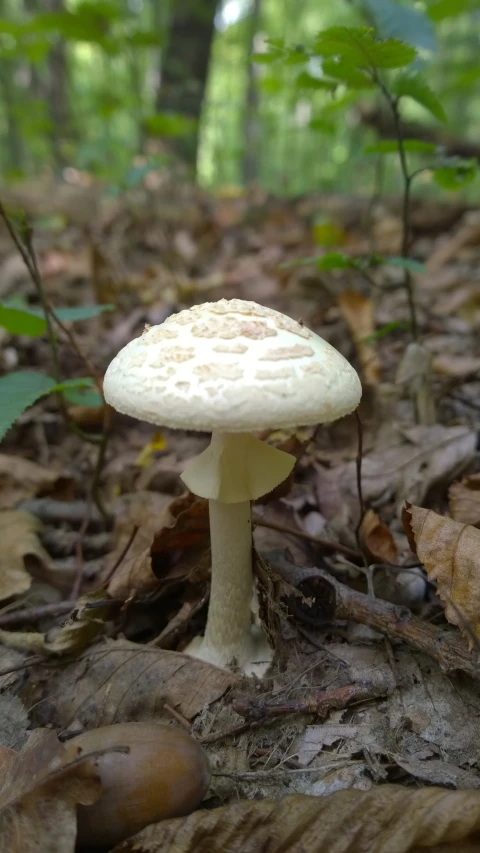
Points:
(407, 187)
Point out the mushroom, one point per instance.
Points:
(232, 368)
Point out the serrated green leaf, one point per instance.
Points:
(393, 20)
(415, 86)
(358, 46)
(18, 391)
(390, 146)
(346, 72)
(308, 81)
(20, 322)
(455, 173)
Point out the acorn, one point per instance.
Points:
(164, 774)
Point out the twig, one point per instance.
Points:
(327, 544)
(358, 467)
(121, 556)
(443, 645)
(34, 614)
(321, 703)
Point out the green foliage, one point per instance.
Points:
(442, 9)
(21, 322)
(18, 318)
(394, 326)
(415, 86)
(393, 20)
(359, 46)
(168, 124)
(390, 146)
(454, 173)
(21, 389)
(342, 70)
(308, 81)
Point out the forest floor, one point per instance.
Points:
(104, 559)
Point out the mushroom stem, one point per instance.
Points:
(229, 616)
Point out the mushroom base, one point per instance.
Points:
(255, 657)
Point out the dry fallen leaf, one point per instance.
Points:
(456, 366)
(450, 552)
(19, 546)
(377, 539)
(182, 524)
(359, 314)
(38, 796)
(465, 500)
(21, 479)
(119, 681)
(418, 459)
(385, 819)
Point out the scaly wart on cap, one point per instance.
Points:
(232, 368)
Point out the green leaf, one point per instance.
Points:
(455, 173)
(67, 385)
(83, 397)
(334, 261)
(345, 72)
(21, 322)
(415, 86)
(390, 146)
(168, 124)
(322, 125)
(18, 391)
(145, 38)
(265, 58)
(307, 81)
(81, 312)
(448, 9)
(393, 20)
(394, 326)
(405, 264)
(358, 46)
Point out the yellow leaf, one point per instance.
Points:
(145, 457)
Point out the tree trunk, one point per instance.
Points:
(57, 92)
(184, 67)
(251, 127)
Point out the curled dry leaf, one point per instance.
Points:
(359, 314)
(119, 681)
(385, 819)
(450, 552)
(465, 500)
(76, 633)
(183, 524)
(39, 796)
(377, 539)
(19, 547)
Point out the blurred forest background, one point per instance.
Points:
(112, 89)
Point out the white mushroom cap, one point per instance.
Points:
(233, 366)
